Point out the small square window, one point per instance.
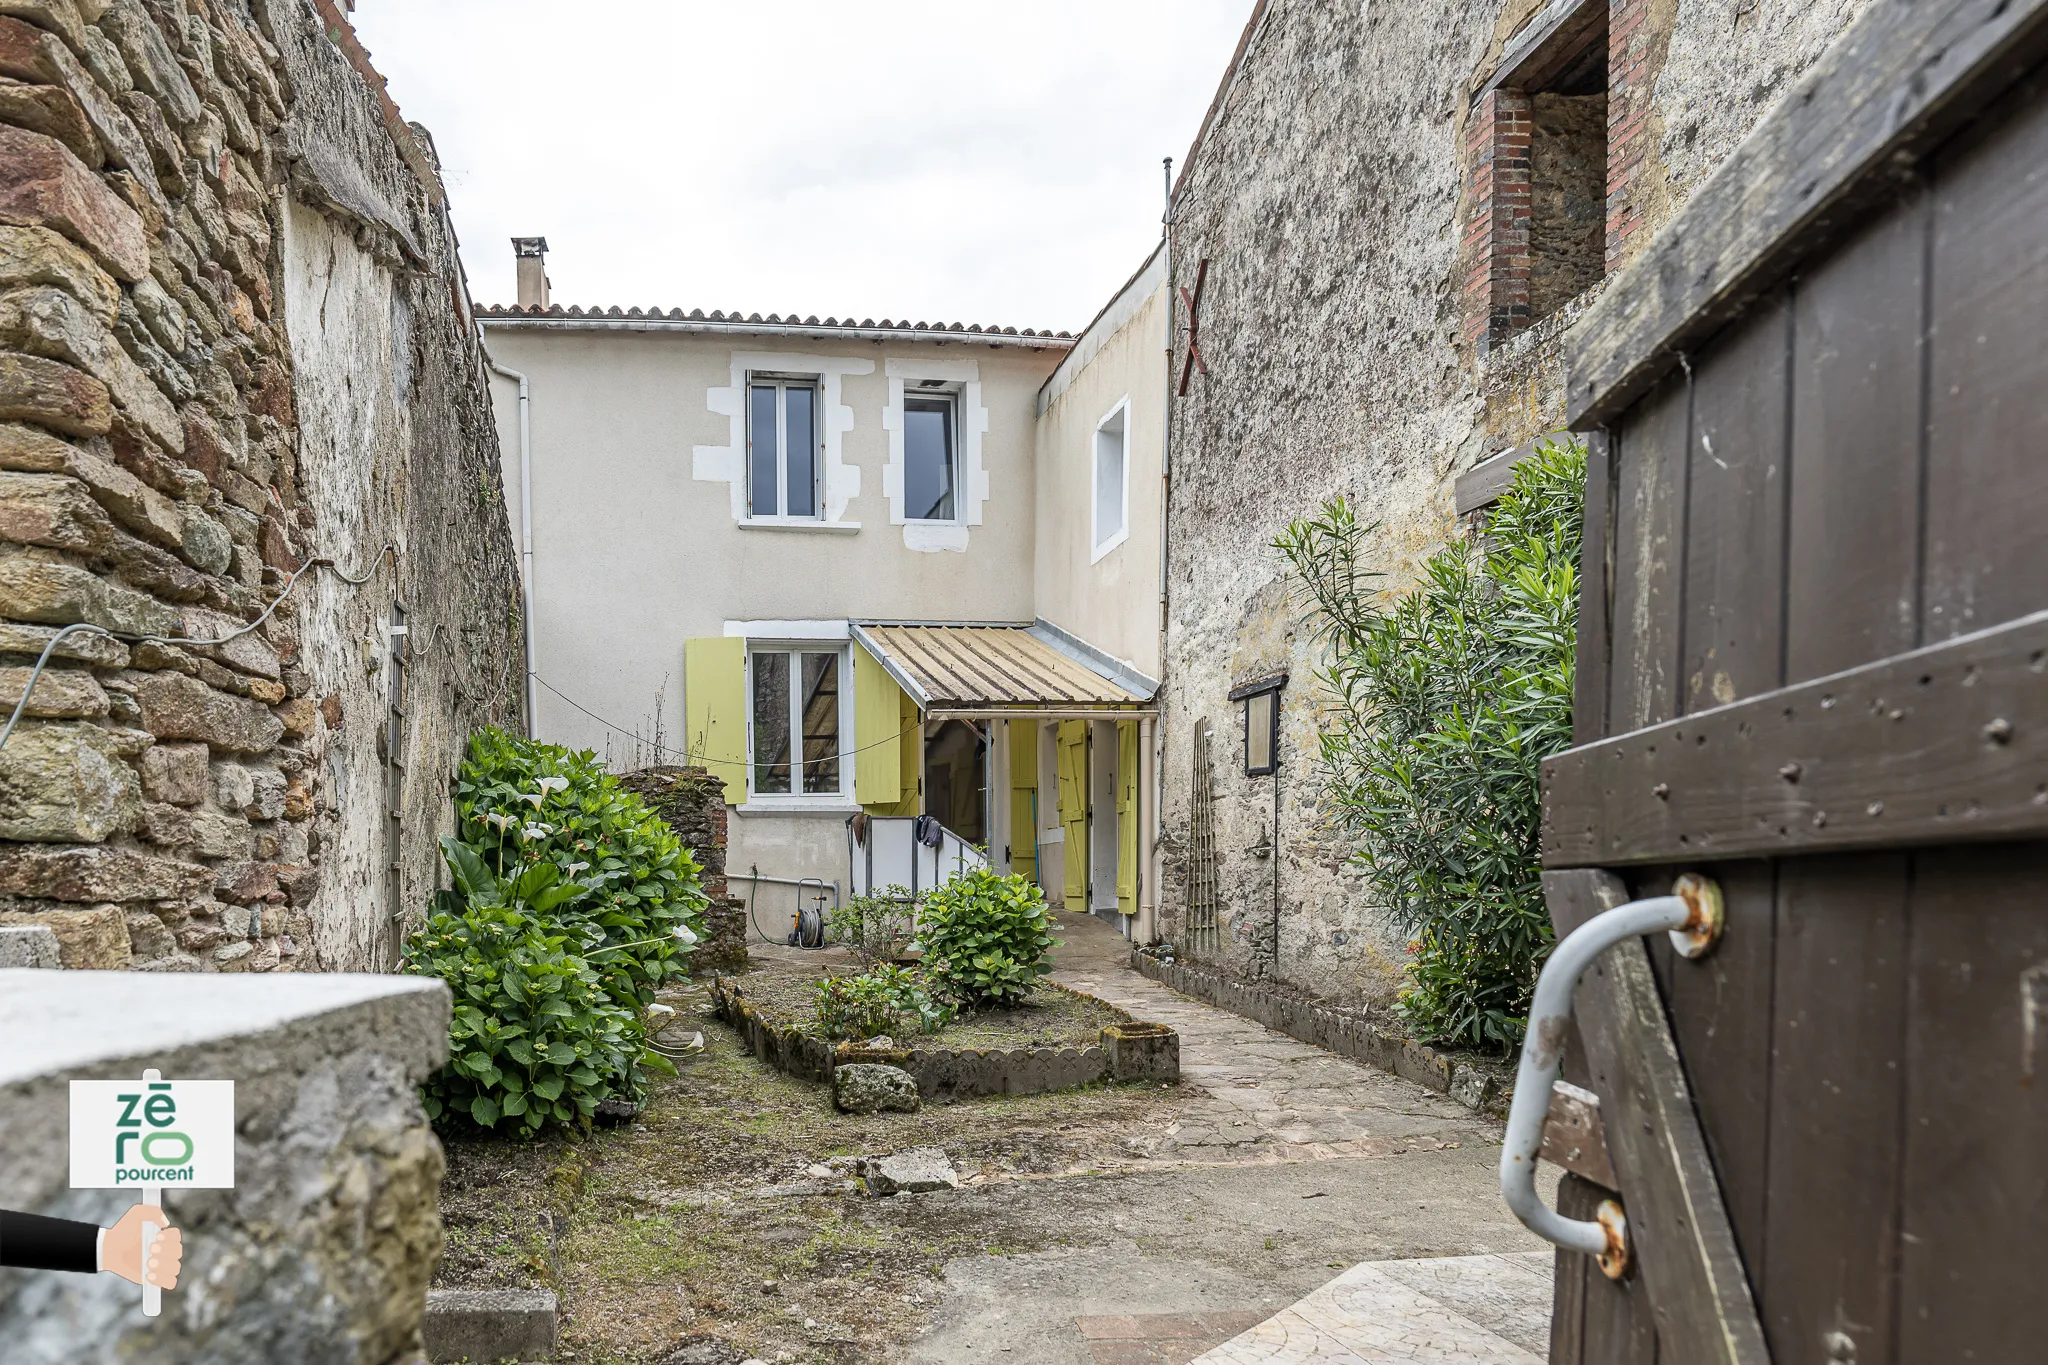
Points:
(928, 458)
(782, 448)
(1112, 482)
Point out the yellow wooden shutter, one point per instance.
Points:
(1073, 775)
(1127, 817)
(877, 731)
(1024, 798)
(715, 704)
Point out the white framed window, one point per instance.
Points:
(797, 720)
(785, 447)
(1111, 518)
(931, 453)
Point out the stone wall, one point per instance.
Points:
(234, 337)
(693, 803)
(322, 1252)
(1338, 195)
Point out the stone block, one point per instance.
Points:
(22, 56)
(87, 940)
(298, 716)
(116, 132)
(33, 389)
(148, 939)
(53, 112)
(266, 801)
(251, 653)
(246, 883)
(42, 184)
(29, 945)
(1142, 1052)
(52, 510)
(151, 62)
(45, 320)
(489, 1324)
(60, 692)
(66, 784)
(325, 1246)
(97, 874)
(177, 707)
(175, 773)
(85, 647)
(916, 1171)
(57, 16)
(870, 1088)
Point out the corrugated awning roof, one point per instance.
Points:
(995, 668)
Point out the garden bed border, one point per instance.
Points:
(952, 1073)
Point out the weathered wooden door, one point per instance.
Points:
(1814, 666)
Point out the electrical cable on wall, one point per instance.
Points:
(90, 628)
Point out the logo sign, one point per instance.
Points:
(152, 1132)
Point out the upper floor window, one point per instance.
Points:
(1112, 481)
(929, 460)
(796, 721)
(783, 447)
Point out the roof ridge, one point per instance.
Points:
(735, 318)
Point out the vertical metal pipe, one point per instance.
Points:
(525, 528)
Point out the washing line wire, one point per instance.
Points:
(89, 628)
(704, 758)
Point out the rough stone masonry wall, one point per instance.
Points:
(233, 336)
(1330, 198)
(693, 803)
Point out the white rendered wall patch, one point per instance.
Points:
(727, 464)
(964, 380)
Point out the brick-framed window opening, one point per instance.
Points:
(1537, 184)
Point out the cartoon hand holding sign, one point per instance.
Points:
(148, 1133)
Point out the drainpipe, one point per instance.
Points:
(525, 526)
(1155, 732)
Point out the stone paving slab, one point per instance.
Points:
(1262, 1089)
(1456, 1310)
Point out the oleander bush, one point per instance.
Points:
(986, 939)
(1446, 703)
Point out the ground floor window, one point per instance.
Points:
(796, 721)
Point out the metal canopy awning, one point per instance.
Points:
(997, 669)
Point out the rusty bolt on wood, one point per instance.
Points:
(1999, 731)
(1790, 772)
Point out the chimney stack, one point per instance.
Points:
(532, 255)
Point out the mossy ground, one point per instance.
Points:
(666, 1228)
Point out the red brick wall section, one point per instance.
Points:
(1497, 229)
(1630, 85)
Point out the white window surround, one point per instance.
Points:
(839, 482)
(1099, 545)
(777, 636)
(971, 489)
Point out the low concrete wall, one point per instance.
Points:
(322, 1252)
(1478, 1083)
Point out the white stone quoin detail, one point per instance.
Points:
(727, 464)
(933, 536)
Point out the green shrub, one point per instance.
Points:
(535, 1037)
(885, 999)
(986, 938)
(519, 800)
(876, 928)
(1446, 704)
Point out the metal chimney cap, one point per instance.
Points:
(529, 246)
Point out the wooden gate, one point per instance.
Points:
(1813, 665)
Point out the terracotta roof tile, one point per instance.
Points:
(501, 310)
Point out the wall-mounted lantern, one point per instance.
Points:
(1259, 700)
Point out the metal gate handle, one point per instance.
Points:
(1693, 915)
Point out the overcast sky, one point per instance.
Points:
(945, 160)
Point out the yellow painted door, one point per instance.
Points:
(1073, 776)
(1024, 798)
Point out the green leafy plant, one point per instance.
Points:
(885, 999)
(534, 1038)
(987, 939)
(520, 801)
(876, 928)
(1446, 703)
